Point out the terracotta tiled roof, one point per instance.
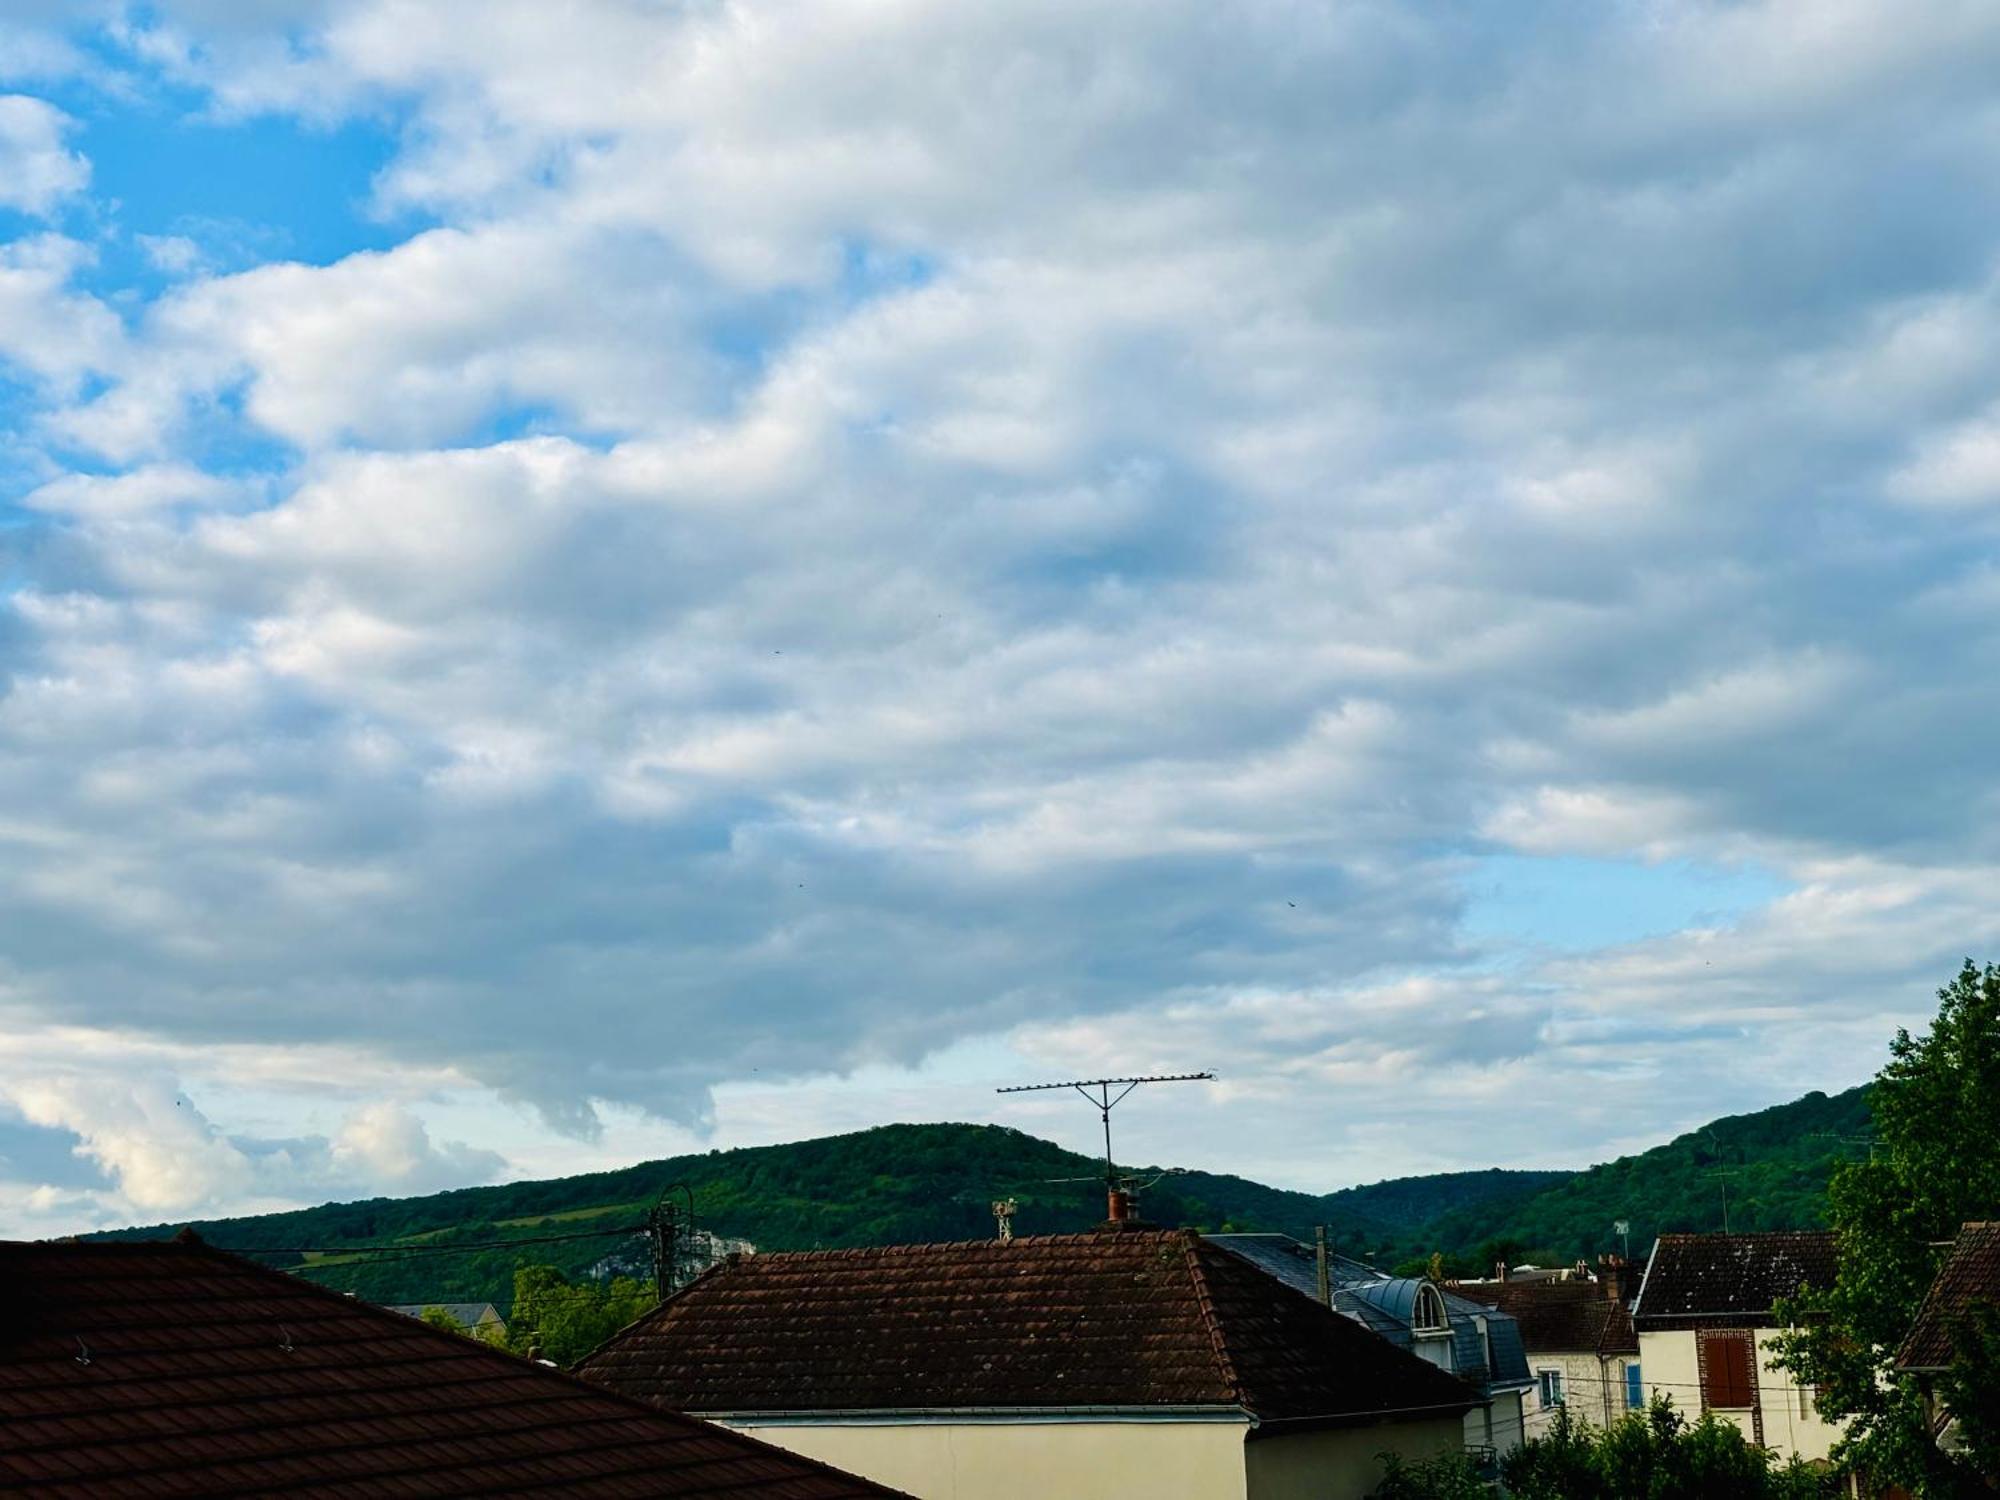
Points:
(1559, 1316)
(1969, 1278)
(1710, 1278)
(1133, 1318)
(170, 1369)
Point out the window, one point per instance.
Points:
(1635, 1389)
(1551, 1382)
(1728, 1372)
(1429, 1315)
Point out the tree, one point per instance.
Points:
(1934, 1166)
(1971, 1390)
(1449, 1476)
(437, 1317)
(561, 1321)
(1656, 1454)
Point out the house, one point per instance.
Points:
(1705, 1323)
(1129, 1362)
(1969, 1279)
(482, 1319)
(1582, 1351)
(1479, 1344)
(169, 1368)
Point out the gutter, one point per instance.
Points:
(1645, 1276)
(1280, 1426)
(923, 1416)
(1029, 1416)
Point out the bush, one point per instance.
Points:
(1656, 1454)
(1448, 1477)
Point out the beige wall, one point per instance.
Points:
(1593, 1389)
(1112, 1460)
(1672, 1367)
(1009, 1460)
(1790, 1424)
(1500, 1424)
(1344, 1463)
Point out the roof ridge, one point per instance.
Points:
(1205, 1300)
(478, 1348)
(1019, 1241)
(196, 1254)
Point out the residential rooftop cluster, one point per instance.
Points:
(1127, 1362)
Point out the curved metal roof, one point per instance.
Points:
(1387, 1304)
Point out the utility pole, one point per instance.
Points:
(1723, 1179)
(670, 1233)
(1003, 1212)
(1104, 1101)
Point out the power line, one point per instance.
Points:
(401, 1251)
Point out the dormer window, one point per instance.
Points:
(1428, 1316)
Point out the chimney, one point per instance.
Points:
(1611, 1277)
(1499, 1270)
(1325, 1280)
(1118, 1206)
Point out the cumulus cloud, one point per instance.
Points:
(37, 170)
(847, 529)
(148, 1151)
(386, 1143)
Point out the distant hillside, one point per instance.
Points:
(1775, 1164)
(897, 1183)
(909, 1183)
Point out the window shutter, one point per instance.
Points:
(1635, 1388)
(1728, 1371)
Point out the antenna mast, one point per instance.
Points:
(1105, 1101)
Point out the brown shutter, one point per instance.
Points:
(1728, 1371)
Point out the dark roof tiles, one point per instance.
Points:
(1133, 1318)
(1969, 1278)
(1739, 1277)
(1559, 1316)
(135, 1369)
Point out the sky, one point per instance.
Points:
(584, 582)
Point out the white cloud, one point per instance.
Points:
(46, 329)
(1960, 467)
(37, 171)
(386, 1144)
(163, 1152)
(858, 528)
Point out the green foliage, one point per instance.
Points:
(561, 1321)
(437, 1317)
(1656, 1455)
(1449, 1476)
(1780, 1161)
(1971, 1389)
(913, 1183)
(1937, 1165)
(895, 1184)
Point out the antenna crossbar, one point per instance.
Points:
(1092, 1083)
(1104, 1101)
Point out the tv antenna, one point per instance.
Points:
(1105, 1101)
(1722, 1177)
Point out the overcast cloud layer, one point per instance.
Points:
(935, 540)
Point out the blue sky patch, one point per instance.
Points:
(1567, 901)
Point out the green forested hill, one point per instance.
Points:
(904, 1183)
(1774, 1163)
(897, 1183)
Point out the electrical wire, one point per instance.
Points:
(401, 1251)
